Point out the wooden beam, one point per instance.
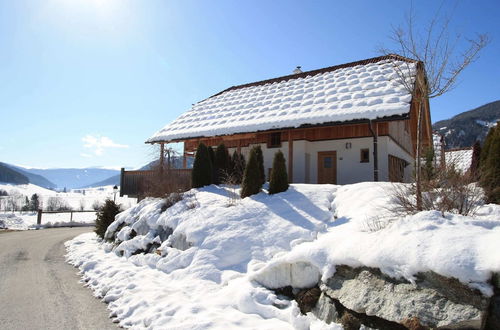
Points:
(290, 156)
(162, 155)
(184, 160)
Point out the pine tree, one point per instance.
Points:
(279, 177)
(251, 178)
(201, 174)
(260, 161)
(490, 165)
(221, 163)
(105, 216)
(34, 203)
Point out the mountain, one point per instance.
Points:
(8, 175)
(176, 163)
(74, 177)
(115, 179)
(465, 128)
(33, 178)
(112, 181)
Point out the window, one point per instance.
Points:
(365, 156)
(274, 140)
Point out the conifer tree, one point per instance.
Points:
(279, 177)
(251, 178)
(475, 163)
(201, 174)
(34, 203)
(211, 154)
(239, 164)
(490, 165)
(105, 217)
(221, 163)
(260, 161)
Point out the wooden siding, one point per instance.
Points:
(399, 131)
(308, 134)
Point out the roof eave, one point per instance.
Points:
(332, 123)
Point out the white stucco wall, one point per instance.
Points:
(349, 167)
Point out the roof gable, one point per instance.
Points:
(367, 89)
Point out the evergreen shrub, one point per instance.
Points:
(279, 177)
(105, 216)
(260, 162)
(201, 174)
(251, 178)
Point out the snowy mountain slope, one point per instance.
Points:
(229, 252)
(35, 179)
(465, 128)
(9, 175)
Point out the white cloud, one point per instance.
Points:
(97, 144)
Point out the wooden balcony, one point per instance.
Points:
(142, 184)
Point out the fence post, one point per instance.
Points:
(71, 220)
(39, 219)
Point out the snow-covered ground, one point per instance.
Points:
(216, 268)
(76, 199)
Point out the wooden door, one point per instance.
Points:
(327, 167)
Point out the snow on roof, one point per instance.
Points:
(367, 89)
(461, 159)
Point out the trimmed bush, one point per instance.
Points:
(260, 162)
(105, 216)
(202, 168)
(251, 178)
(279, 176)
(238, 165)
(221, 163)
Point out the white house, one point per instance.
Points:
(342, 124)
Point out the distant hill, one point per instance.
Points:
(72, 178)
(115, 179)
(9, 175)
(112, 181)
(176, 162)
(465, 128)
(33, 178)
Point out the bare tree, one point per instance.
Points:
(443, 56)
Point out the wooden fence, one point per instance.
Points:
(41, 212)
(141, 183)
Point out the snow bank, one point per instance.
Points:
(453, 246)
(214, 263)
(199, 280)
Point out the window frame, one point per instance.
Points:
(273, 139)
(362, 153)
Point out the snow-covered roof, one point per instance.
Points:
(367, 89)
(461, 159)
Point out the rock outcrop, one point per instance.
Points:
(381, 302)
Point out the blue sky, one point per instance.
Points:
(86, 82)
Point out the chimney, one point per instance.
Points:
(297, 70)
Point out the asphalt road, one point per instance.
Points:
(39, 290)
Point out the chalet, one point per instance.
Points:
(342, 124)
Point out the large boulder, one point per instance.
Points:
(433, 300)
